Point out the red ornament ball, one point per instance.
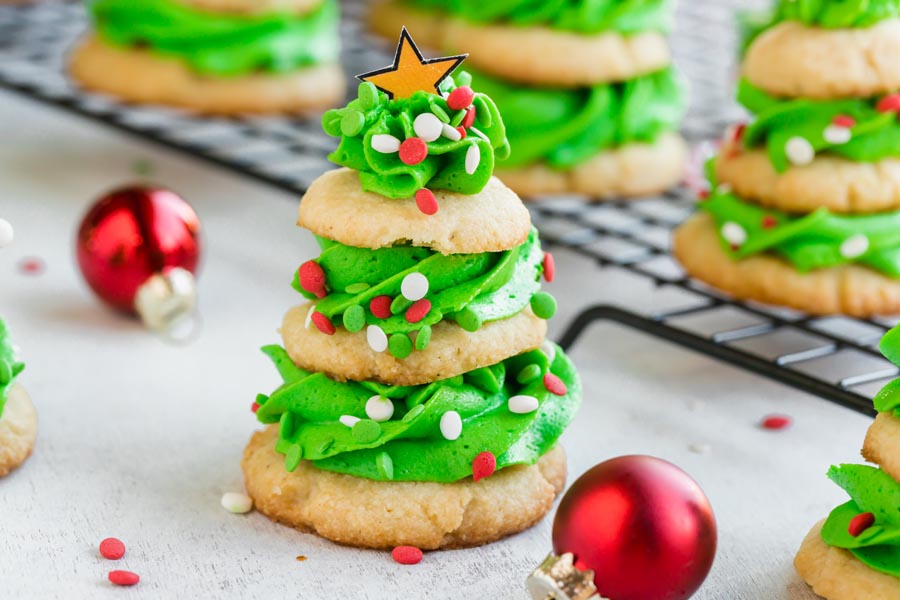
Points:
(132, 234)
(642, 525)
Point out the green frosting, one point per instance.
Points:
(834, 14)
(580, 16)
(470, 289)
(222, 44)
(872, 491)
(565, 127)
(813, 241)
(373, 113)
(888, 398)
(10, 367)
(410, 446)
(875, 135)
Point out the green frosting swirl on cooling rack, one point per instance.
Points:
(564, 128)
(874, 135)
(888, 398)
(10, 366)
(222, 44)
(836, 14)
(410, 446)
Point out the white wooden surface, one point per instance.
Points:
(139, 439)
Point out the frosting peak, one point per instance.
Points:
(10, 366)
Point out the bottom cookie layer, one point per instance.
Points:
(18, 430)
(882, 445)
(137, 75)
(376, 514)
(847, 289)
(629, 171)
(835, 574)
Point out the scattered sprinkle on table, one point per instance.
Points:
(112, 548)
(124, 578)
(776, 422)
(237, 503)
(407, 555)
(31, 265)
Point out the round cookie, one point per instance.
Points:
(138, 75)
(882, 445)
(493, 220)
(18, 430)
(848, 289)
(296, 7)
(835, 574)
(386, 19)
(840, 185)
(631, 170)
(452, 351)
(794, 60)
(350, 510)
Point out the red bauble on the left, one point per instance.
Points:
(132, 234)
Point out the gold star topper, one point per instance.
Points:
(411, 72)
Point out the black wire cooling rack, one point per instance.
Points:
(833, 357)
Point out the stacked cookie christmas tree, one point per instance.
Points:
(804, 208)
(421, 404)
(590, 101)
(18, 419)
(855, 552)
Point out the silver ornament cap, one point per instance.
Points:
(167, 304)
(557, 578)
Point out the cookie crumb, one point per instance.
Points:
(301, 558)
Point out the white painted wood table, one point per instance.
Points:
(139, 439)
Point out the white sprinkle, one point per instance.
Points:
(549, 350)
(237, 503)
(379, 408)
(7, 234)
(451, 425)
(376, 337)
(473, 158)
(349, 420)
(699, 448)
(799, 151)
(428, 127)
(734, 234)
(837, 135)
(522, 405)
(309, 315)
(478, 132)
(414, 286)
(855, 246)
(450, 132)
(386, 144)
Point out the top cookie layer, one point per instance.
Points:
(336, 207)
(298, 7)
(794, 60)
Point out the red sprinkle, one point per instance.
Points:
(419, 310)
(484, 465)
(739, 131)
(469, 119)
(254, 407)
(844, 121)
(124, 577)
(426, 201)
(549, 267)
(31, 266)
(323, 323)
(460, 98)
(462, 132)
(890, 103)
(777, 422)
(704, 194)
(407, 555)
(381, 306)
(312, 278)
(860, 523)
(769, 222)
(555, 385)
(113, 548)
(413, 151)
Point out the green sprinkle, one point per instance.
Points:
(357, 288)
(414, 412)
(292, 459)
(352, 123)
(326, 446)
(463, 78)
(400, 345)
(543, 305)
(286, 425)
(423, 337)
(440, 113)
(143, 167)
(331, 122)
(385, 466)
(457, 118)
(469, 319)
(355, 318)
(368, 95)
(366, 431)
(529, 374)
(400, 304)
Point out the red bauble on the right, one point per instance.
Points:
(642, 525)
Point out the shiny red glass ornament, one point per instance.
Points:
(132, 234)
(642, 525)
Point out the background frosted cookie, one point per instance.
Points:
(298, 7)
(165, 51)
(18, 419)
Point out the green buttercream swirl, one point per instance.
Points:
(10, 366)
(888, 398)
(222, 44)
(579, 16)
(374, 113)
(470, 289)
(876, 135)
(811, 241)
(564, 128)
(410, 446)
(871, 490)
(835, 14)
